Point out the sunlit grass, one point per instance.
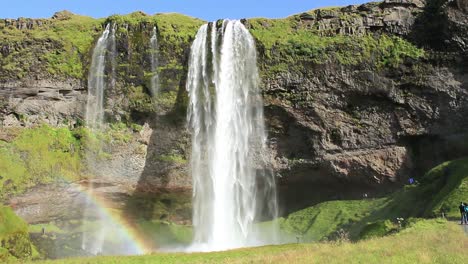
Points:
(428, 241)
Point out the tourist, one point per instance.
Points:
(466, 213)
(462, 213)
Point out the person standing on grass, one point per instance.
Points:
(466, 213)
(462, 213)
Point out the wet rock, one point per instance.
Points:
(335, 131)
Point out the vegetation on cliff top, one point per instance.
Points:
(286, 42)
(62, 45)
(65, 41)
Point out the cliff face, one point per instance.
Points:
(357, 99)
(344, 128)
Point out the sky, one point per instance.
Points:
(208, 10)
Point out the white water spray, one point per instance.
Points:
(154, 86)
(97, 84)
(231, 186)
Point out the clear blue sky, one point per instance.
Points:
(205, 9)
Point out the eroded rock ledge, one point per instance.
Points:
(336, 130)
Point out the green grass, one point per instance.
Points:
(284, 42)
(323, 220)
(14, 238)
(440, 190)
(69, 40)
(449, 184)
(38, 155)
(45, 154)
(48, 227)
(332, 224)
(430, 241)
(62, 46)
(10, 223)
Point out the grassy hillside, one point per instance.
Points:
(37, 155)
(14, 238)
(44, 154)
(428, 241)
(448, 183)
(440, 191)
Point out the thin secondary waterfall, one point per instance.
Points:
(232, 188)
(154, 86)
(97, 84)
(97, 81)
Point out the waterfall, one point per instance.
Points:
(97, 84)
(154, 63)
(232, 186)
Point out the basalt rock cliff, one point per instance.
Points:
(358, 99)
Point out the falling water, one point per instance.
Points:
(154, 62)
(97, 84)
(232, 187)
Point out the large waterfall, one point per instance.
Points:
(154, 85)
(232, 187)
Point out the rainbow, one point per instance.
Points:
(136, 242)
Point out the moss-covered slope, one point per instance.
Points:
(14, 237)
(440, 191)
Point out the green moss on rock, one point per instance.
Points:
(285, 42)
(63, 43)
(38, 155)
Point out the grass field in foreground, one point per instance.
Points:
(427, 241)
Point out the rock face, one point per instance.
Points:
(344, 131)
(351, 126)
(392, 16)
(31, 102)
(336, 130)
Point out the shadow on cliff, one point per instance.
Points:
(163, 190)
(308, 177)
(441, 27)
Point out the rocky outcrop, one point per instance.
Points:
(32, 102)
(392, 16)
(342, 131)
(62, 202)
(336, 130)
